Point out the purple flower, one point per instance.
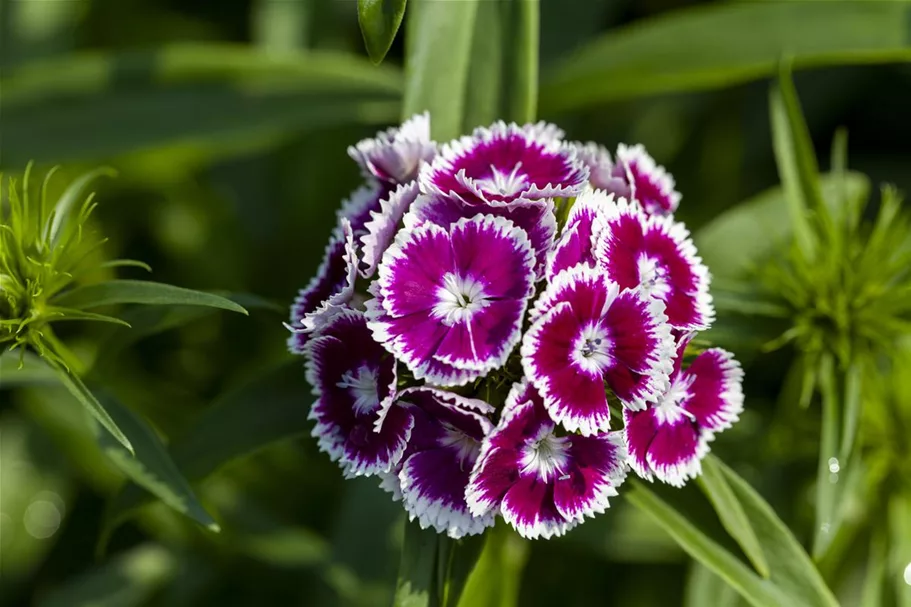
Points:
(574, 247)
(383, 224)
(655, 254)
(331, 287)
(536, 219)
(669, 438)
(362, 204)
(506, 163)
(542, 483)
(603, 173)
(449, 303)
(444, 445)
(396, 155)
(354, 380)
(586, 332)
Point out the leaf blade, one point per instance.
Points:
(141, 292)
(379, 21)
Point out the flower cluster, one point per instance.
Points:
(511, 261)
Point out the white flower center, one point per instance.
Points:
(504, 184)
(653, 277)
(362, 384)
(668, 409)
(458, 299)
(592, 348)
(466, 447)
(546, 455)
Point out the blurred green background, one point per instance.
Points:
(228, 124)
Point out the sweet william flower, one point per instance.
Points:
(395, 156)
(541, 482)
(655, 254)
(586, 333)
(506, 164)
(449, 303)
(669, 439)
(354, 379)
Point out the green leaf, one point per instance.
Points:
(495, 577)
(723, 44)
(850, 411)
(728, 244)
(437, 52)
(105, 104)
(900, 547)
(416, 585)
(57, 313)
(140, 292)
(130, 580)
(731, 513)
(32, 371)
(379, 21)
(876, 571)
(88, 400)
(793, 580)
(705, 588)
(828, 515)
(270, 408)
(151, 467)
(69, 200)
(503, 70)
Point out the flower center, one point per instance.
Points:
(466, 447)
(504, 184)
(669, 408)
(458, 299)
(546, 455)
(362, 385)
(592, 349)
(653, 277)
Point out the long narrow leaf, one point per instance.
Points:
(437, 50)
(23, 369)
(723, 44)
(417, 584)
(140, 292)
(828, 467)
(379, 21)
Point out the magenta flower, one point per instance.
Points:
(603, 173)
(506, 163)
(383, 225)
(536, 219)
(395, 156)
(669, 438)
(331, 287)
(542, 483)
(574, 247)
(354, 380)
(449, 303)
(587, 332)
(444, 445)
(655, 254)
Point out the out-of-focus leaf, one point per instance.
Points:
(828, 511)
(379, 21)
(457, 561)
(503, 70)
(70, 199)
(850, 411)
(141, 292)
(876, 571)
(731, 513)
(152, 466)
(747, 234)
(417, 578)
(494, 580)
(33, 371)
(793, 579)
(437, 53)
(128, 581)
(102, 104)
(705, 588)
(900, 544)
(720, 45)
(270, 408)
(88, 400)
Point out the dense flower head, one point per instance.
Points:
(510, 257)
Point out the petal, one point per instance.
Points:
(573, 248)
(494, 473)
(597, 467)
(529, 508)
(433, 491)
(506, 162)
(675, 451)
(397, 154)
(715, 396)
(383, 225)
(574, 398)
(367, 452)
(359, 206)
(601, 168)
(643, 348)
(413, 268)
(648, 182)
(498, 253)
